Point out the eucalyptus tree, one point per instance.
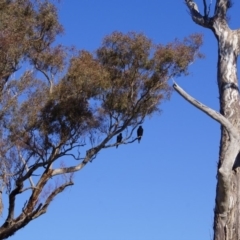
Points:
(57, 102)
(227, 204)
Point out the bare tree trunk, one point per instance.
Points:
(226, 211)
(227, 205)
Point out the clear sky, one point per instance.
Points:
(164, 187)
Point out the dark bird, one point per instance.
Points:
(139, 133)
(119, 139)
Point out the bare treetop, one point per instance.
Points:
(205, 19)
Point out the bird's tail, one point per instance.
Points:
(139, 139)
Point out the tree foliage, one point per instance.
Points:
(57, 102)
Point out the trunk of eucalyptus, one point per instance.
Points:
(227, 206)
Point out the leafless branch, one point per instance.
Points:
(50, 80)
(26, 168)
(205, 8)
(25, 189)
(210, 112)
(196, 15)
(50, 198)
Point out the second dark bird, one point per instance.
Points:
(119, 139)
(139, 133)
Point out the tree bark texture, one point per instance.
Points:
(226, 220)
(227, 203)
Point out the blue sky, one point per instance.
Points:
(164, 187)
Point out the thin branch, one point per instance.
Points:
(77, 158)
(27, 169)
(25, 204)
(122, 142)
(50, 198)
(91, 153)
(28, 188)
(205, 8)
(47, 77)
(33, 168)
(209, 7)
(210, 112)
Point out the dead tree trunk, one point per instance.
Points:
(226, 217)
(227, 207)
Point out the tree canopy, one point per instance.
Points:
(57, 101)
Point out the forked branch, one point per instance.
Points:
(51, 197)
(197, 17)
(207, 8)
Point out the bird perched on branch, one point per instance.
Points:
(119, 139)
(139, 133)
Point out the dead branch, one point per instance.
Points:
(210, 112)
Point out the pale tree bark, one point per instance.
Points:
(227, 205)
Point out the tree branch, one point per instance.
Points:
(27, 169)
(210, 112)
(50, 198)
(12, 197)
(90, 154)
(205, 8)
(195, 14)
(47, 77)
(221, 8)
